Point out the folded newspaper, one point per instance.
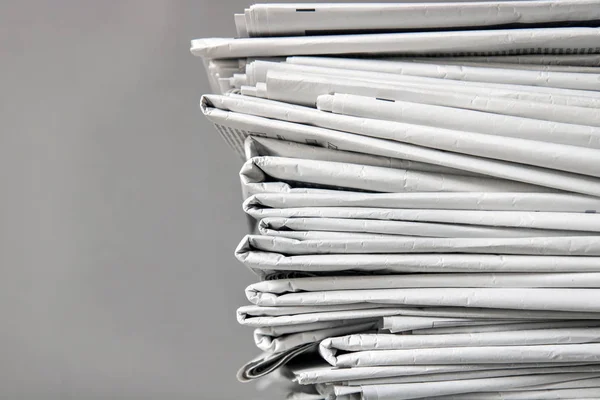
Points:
(424, 184)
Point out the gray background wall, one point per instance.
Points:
(119, 206)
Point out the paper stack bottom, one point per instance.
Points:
(424, 180)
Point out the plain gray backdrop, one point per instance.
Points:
(120, 206)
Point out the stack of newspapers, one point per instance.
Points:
(424, 180)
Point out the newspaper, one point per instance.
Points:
(550, 246)
(303, 322)
(590, 352)
(484, 42)
(377, 83)
(256, 73)
(565, 80)
(311, 284)
(583, 60)
(553, 299)
(423, 185)
(430, 325)
(342, 218)
(277, 338)
(265, 261)
(586, 393)
(336, 228)
(311, 85)
(492, 64)
(419, 390)
(333, 348)
(394, 323)
(293, 320)
(256, 146)
(270, 174)
(325, 373)
(496, 313)
(245, 116)
(571, 382)
(248, 311)
(275, 331)
(442, 326)
(383, 85)
(270, 344)
(386, 220)
(304, 89)
(265, 316)
(449, 376)
(276, 204)
(527, 67)
(301, 395)
(269, 362)
(219, 71)
(462, 120)
(382, 82)
(316, 18)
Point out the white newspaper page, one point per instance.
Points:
(302, 322)
(443, 326)
(269, 362)
(583, 60)
(311, 284)
(484, 42)
(416, 390)
(304, 89)
(325, 373)
(473, 355)
(329, 348)
(489, 328)
(578, 300)
(545, 222)
(481, 374)
(256, 72)
(398, 317)
(462, 119)
(565, 80)
(256, 75)
(526, 395)
(557, 246)
(256, 146)
(241, 118)
(269, 343)
(266, 261)
(278, 173)
(527, 67)
(325, 18)
(332, 228)
(275, 204)
(312, 85)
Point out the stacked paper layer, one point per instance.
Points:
(425, 181)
